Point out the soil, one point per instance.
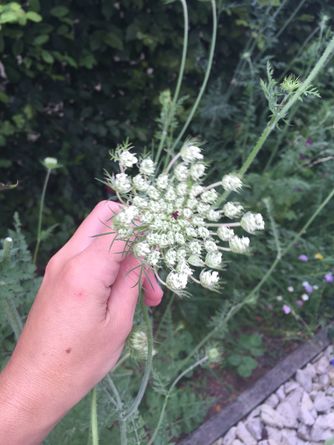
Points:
(224, 385)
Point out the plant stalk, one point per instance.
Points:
(93, 418)
(40, 215)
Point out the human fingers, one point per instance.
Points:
(97, 222)
(152, 290)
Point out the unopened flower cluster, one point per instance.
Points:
(172, 222)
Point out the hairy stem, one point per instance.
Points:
(149, 359)
(179, 80)
(119, 406)
(170, 390)
(206, 76)
(93, 418)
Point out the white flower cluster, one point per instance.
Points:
(172, 222)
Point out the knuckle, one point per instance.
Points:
(52, 265)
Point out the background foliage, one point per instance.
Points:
(77, 78)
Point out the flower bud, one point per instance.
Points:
(50, 163)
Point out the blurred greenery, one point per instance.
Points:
(77, 78)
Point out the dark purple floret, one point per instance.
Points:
(309, 141)
(331, 362)
(176, 214)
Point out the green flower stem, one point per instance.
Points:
(12, 316)
(122, 421)
(93, 418)
(40, 215)
(235, 309)
(281, 114)
(149, 359)
(206, 76)
(169, 392)
(179, 80)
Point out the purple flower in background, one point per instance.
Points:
(329, 277)
(303, 258)
(299, 303)
(286, 309)
(308, 287)
(309, 141)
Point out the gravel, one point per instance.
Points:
(300, 412)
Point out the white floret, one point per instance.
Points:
(209, 196)
(209, 278)
(181, 172)
(225, 233)
(239, 244)
(140, 183)
(231, 183)
(190, 153)
(141, 249)
(197, 170)
(251, 222)
(127, 159)
(232, 209)
(213, 259)
(177, 281)
(122, 183)
(147, 167)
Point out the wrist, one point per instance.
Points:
(29, 411)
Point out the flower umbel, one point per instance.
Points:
(170, 220)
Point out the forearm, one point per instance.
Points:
(30, 406)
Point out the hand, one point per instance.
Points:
(75, 331)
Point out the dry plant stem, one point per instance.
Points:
(179, 80)
(235, 309)
(149, 359)
(206, 77)
(40, 215)
(281, 114)
(167, 396)
(93, 418)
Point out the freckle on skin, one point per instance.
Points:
(68, 350)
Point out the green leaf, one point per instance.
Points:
(234, 359)
(33, 16)
(59, 11)
(40, 40)
(114, 41)
(329, 441)
(47, 57)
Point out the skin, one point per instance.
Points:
(75, 331)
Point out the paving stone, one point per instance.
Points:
(230, 436)
(271, 417)
(288, 414)
(245, 435)
(255, 427)
(291, 386)
(303, 432)
(322, 365)
(305, 413)
(273, 400)
(323, 403)
(304, 379)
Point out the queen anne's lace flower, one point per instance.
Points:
(172, 222)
